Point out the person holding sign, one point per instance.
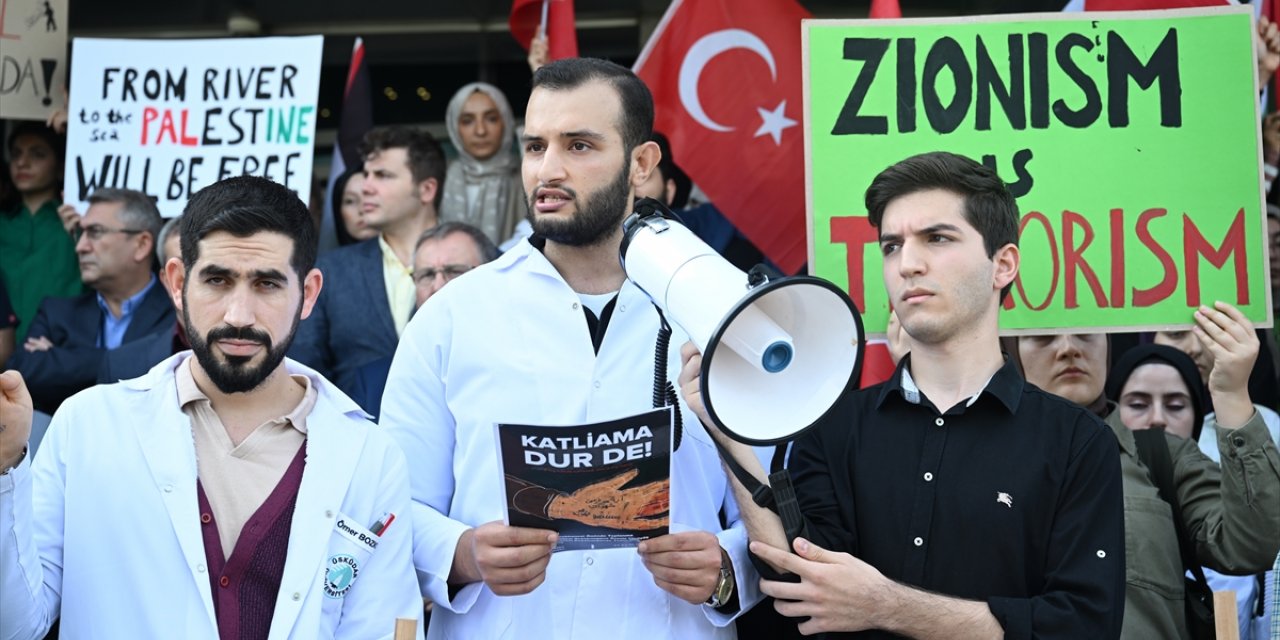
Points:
(553, 334)
(954, 500)
(225, 494)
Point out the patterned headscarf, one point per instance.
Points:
(499, 202)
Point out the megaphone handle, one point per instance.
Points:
(787, 506)
(780, 498)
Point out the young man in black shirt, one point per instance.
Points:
(954, 500)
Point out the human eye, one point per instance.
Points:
(888, 248)
(1136, 405)
(533, 147)
(938, 238)
(466, 120)
(579, 145)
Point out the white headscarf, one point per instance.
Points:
(500, 204)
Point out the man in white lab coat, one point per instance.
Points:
(553, 333)
(225, 494)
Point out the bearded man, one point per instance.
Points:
(553, 333)
(227, 493)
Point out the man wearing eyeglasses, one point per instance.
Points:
(442, 253)
(446, 252)
(115, 245)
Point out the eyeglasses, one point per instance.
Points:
(96, 231)
(449, 272)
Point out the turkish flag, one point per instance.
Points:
(562, 34)
(726, 82)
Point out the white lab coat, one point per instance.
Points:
(104, 526)
(508, 343)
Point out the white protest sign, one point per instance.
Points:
(168, 117)
(33, 58)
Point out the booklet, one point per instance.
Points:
(601, 486)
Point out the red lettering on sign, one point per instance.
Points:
(1194, 246)
(1168, 284)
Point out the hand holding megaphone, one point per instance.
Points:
(690, 382)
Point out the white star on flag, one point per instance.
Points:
(774, 122)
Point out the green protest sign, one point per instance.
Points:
(1131, 141)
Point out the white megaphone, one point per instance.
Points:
(777, 353)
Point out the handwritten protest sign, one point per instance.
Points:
(601, 486)
(167, 117)
(1131, 141)
(33, 58)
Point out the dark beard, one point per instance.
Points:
(599, 215)
(236, 375)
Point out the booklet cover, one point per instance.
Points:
(601, 486)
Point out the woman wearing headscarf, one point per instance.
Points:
(1231, 514)
(482, 186)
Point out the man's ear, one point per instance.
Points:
(1007, 261)
(311, 286)
(173, 276)
(427, 191)
(146, 247)
(669, 191)
(644, 160)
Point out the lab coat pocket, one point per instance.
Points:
(351, 546)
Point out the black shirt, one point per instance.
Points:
(1014, 499)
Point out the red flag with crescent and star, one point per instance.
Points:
(726, 83)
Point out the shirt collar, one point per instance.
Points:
(389, 258)
(189, 391)
(131, 303)
(1005, 385)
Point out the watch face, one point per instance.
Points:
(724, 589)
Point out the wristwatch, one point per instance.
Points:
(724, 587)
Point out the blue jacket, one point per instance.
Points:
(351, 323)
(72, 325)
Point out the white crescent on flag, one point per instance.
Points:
(702, 51)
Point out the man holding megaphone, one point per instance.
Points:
(553, 334)
(954, 500)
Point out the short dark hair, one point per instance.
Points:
(425, 157)
(636, 108)
(137, 209)
(40, 130)
(988, 204)
(484, 246)
(243, 206)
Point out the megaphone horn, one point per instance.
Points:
(791, 345)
